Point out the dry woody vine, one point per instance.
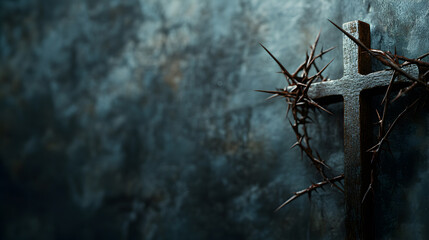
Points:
(300, 104)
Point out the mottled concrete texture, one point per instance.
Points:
(137, 119)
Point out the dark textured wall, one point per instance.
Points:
(138, 120)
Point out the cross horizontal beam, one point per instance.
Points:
(356, 83)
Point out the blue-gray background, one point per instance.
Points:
(137, 119)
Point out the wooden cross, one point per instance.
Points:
(352, 87)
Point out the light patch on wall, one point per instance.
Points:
(173, 74)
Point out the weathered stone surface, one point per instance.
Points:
(137, 119)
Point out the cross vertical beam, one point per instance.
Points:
(356, 60)
(359, 217)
